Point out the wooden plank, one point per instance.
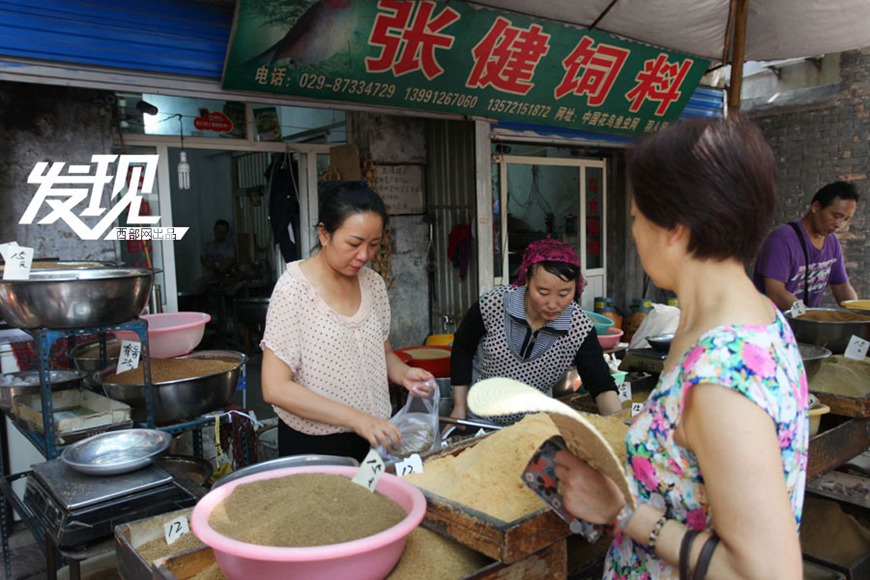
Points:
(832, 447)
(857, 407)
(551, 562)
(184, 565)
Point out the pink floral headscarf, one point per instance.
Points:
(549, 250)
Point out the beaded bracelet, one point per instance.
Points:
(654, 534)
(622, 518)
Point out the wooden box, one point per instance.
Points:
(506, 542)
(551, 562)
(130, 537)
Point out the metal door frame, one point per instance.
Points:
(581, 164)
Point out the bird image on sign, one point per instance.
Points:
(323, 29)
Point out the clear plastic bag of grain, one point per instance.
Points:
(418, 424)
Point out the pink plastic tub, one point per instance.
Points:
(611, 339)
(367, 558)
(171, 334)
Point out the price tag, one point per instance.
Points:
(798, 309)
(18, 261)
(624, 391)
(636, 408)
(480, 433)
(173, 530)
(370, 471)
(857, 348)
(129, 358)
(412, 464)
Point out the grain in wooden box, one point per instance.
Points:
(551, 562)
(506, 542)
(132, 536)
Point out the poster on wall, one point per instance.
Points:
(401, 187)
(456, 58)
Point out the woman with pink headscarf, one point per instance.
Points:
(533, 331)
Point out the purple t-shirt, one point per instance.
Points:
(782, 258)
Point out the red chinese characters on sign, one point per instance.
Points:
(213, 121)
(407, 40)
(660, 81)
(507, 56)
(591, 71)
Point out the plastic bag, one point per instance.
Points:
(661, 319)
(418, 423)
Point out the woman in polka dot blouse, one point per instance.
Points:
(327, 359)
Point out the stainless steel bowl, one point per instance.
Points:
(661, 342)
(180, 399)
(75, 298)
(116, 451)
(282, 462)
(27, 383)
(812, 356)
(86, 356)
(831, 335)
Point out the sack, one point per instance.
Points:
(418, 423)
(661, 319)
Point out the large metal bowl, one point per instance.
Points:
(116, 451)
(831, 335)
(282, 462)
(812, 355)
(180, 399)
(86, 356)
(27, 383)
(75, 298)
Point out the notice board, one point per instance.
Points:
(401, 187)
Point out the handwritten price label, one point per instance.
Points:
(370, 472)
(129, 359)
(18, 261)
(173, 530)
(636, 408)
(857, 348)
(412, 464)
(624, 392)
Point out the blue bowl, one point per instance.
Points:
(601, 322)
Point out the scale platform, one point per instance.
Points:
(648, 360)
(76, 509)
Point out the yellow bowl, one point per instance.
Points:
(815, 415)
(856, 304)
(439, 340)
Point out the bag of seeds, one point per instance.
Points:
(418, 423)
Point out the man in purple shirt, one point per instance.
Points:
(800, 259)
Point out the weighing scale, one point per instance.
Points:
(74, 508)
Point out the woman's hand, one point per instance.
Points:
(419, 382)
(588, 494)
(377, 431)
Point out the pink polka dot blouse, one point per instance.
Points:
(338, 357)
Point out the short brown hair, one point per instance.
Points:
(715, 176)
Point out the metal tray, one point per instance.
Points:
(116, 452)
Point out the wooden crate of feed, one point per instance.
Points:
(140, 544)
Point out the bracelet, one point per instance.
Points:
(705, 557)
(622, 518)
(654, 534)
(686, 552)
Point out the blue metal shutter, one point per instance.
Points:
(181, 37)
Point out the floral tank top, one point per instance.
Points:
(762, 363)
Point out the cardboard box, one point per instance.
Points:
(76, 412)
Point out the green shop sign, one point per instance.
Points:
(457, 58)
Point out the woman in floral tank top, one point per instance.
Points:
(717, 458)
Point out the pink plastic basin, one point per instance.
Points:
(367, 558)
(611, 339)
(171, 334)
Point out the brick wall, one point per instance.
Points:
(822, 138)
